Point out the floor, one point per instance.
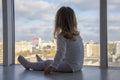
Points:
(17, 72)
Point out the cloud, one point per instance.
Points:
(114, 23)
(114, 28)
(82, 5)
(44, 34)
(36, 18)
(28, 32)
(113, 35)
(34, 9)
(88, 21)
(113, 6)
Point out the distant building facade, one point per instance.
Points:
(36, 43)
(23, 46)
(118, 48)
(92, 49)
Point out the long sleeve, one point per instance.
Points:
(60, 53)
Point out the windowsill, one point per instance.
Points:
(87, 73)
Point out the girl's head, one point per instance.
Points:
(66, 23)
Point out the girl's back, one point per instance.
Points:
(74, 53)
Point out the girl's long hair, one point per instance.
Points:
(66, 23)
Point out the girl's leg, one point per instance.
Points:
(41, 65)
(63, 67)
(38, 58)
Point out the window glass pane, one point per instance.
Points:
(114, 33)
(35, 25)
(1, 34)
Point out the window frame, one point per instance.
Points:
(9, 33)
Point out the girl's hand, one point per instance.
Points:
(48, 70)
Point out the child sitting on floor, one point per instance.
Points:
(70, 51)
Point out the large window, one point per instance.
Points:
(88, 25)
(34, 28)
(113, 33)
(35, 25)
(1, 34)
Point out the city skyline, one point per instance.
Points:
(36, 18)
(47, 50)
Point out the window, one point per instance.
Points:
(1, 34)
(88, 25)
(35, 25)
(113, 33)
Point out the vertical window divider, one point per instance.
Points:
(103, 34)
(8, 32)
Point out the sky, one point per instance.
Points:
(35, 18)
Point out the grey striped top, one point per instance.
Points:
(70, 51)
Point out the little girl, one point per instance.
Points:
(70, 51)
